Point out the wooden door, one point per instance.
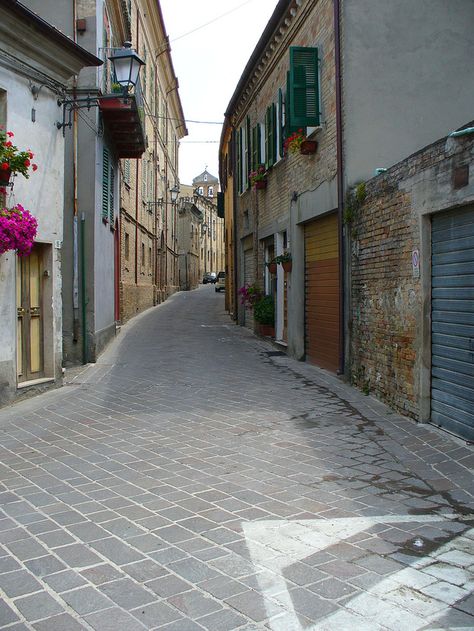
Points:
(30, 360)
(322, 292)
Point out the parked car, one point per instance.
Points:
(220, 281)
(209, 277)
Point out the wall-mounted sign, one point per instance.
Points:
(415, 263)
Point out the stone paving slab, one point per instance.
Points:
(197, 479)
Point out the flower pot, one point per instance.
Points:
(272, 268)
(266, 330)
(5, 175)
(308, 147)
(260, 185)
(287, 265)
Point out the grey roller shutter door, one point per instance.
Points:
(452, 336)
(249, 279)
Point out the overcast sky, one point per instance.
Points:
(208, 64)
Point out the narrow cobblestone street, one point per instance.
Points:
(196, 478)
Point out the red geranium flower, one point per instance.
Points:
(27, 163)
(5, 166)
(34, 167)
(10, 133)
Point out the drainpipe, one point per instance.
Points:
(83, 289)
(234, 227)
(136, 179)
(75, 255)
(340, 183)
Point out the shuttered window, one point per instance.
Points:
(303, 86)
(247, 155)
(126, 171)
(111, 196)
(256, 148)
(105, 183)
(270, 135)
(280, 123)
(238, 152)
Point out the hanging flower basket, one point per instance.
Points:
(308, 147)
(260, 185)
(17, 230)
(272, 267)
(5, 175)
(287, 265)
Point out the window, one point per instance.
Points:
(108, 186)
(303, 87)
(256, 148)
(149, 257)
(210, 191)
(126, 171)
(201, 190)
(205, 177)
(270, 136)
(143, 254)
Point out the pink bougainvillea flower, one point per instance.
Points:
(17, 230)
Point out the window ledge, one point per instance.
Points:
(314, 131)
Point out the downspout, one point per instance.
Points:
(340, 184)
(83, 289)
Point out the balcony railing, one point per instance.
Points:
(123, 114)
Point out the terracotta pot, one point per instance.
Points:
(272, 268)
(287, 265)
(266, 330)
(260, 185)
(308, 147)
(5, 175)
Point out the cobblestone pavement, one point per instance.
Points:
(196, 478)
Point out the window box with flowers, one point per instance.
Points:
(284, 260)
(12, 160)
(299, 143)
(258, 178)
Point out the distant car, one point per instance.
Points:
(220, 281)
(209, 277)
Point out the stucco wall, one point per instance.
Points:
(407, 78)
(42, 194)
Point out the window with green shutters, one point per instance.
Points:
(112, 196)
(238, 152)
(270, 136)
(303, 88)
(256, 148)
(105, 183)
(280, 123)
(247, 156)
(126, 171)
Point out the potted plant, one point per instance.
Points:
(284, 260)
(12, 160)
(297, 142)
(264, 315)
(258, 178)
(17, 230)
(272, 266)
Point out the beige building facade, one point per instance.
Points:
(149, 266)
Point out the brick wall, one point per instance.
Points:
(386, 296)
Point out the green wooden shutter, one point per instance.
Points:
(256, 149)
(248, 153)
(280, 122)
(105, 183)
(111, 196)
(304, 87)
(270, 139)
(126, 171)
(239, 160)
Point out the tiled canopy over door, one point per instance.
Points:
(452, 359)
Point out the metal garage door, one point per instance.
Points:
(452, 353)
(249, 279)
(322, 292)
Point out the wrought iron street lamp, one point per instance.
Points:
(126, 64)
(174, 193)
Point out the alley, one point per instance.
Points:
(197, 478)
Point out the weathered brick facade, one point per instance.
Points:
(390, 312)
